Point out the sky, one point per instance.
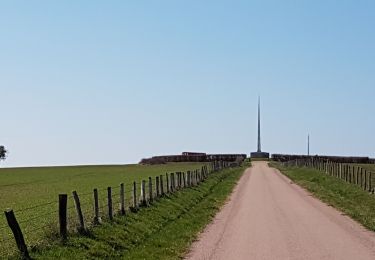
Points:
(112, 82)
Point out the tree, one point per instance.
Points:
(3, 152)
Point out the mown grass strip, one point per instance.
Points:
(348, 198)
(163, 231)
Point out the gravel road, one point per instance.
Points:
(269, 217)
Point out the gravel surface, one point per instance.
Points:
(269, 217)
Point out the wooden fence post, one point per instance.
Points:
(17, 233)
(370, 182)
(122, 199)
(357, 181)
(97, 219)
(167, 179)
(63, 216)
(336, 170)
(346, 172)
(331, 168)
(184, 177)
(143, 193)
(157, 186)
(349, 173)
(110, 205)
(161, 185)
(172, 182)
(150, 194)
(365, 180)
(341, 171)
(353, 173)
(135, 204)
(81, 228)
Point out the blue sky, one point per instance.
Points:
(101, 82)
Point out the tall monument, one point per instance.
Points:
(259, 153)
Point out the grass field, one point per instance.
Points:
(163, 231)
(33, 194)
(349, 198)
(369, 167)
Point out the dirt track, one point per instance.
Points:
(268, 217)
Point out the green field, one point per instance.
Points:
(348, 198)
(33, 194)
(163, 231)
(369, 167)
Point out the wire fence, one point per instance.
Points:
(42, 222)
(35, 222)
(349, 173)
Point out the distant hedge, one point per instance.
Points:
(191, 157)
(337, 159)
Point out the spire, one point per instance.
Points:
(259, 145)
(259, 153)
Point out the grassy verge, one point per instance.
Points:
(348, 198)
(163, 231)
(33, 194)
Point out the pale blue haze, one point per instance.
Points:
(101, 82)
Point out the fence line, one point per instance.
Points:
(114, 201)
(352, 174)
(37, 206)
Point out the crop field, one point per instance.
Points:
(33, 194)
(369, 167)
(165, 230)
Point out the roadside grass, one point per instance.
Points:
(348, 198)
(163, 231)
(24, 189)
